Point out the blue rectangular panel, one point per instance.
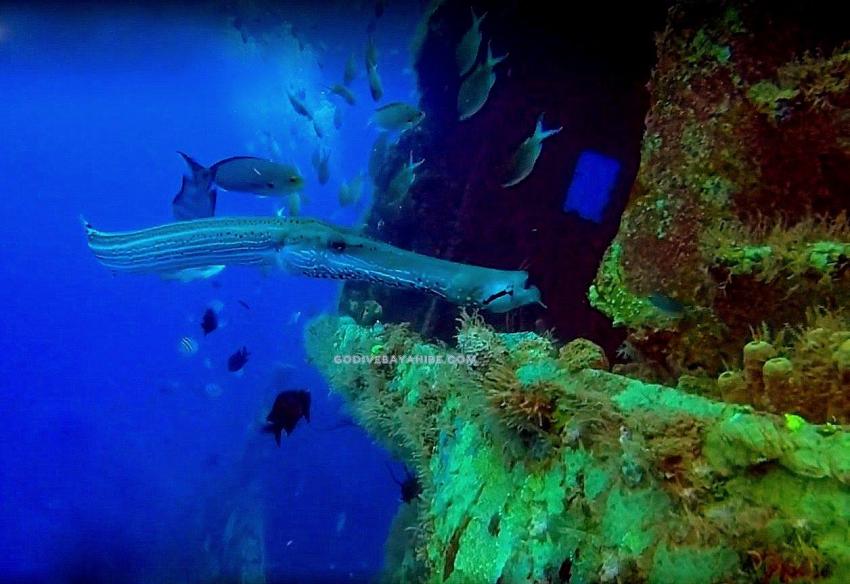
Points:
(590, 189)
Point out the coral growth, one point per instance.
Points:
(739, 210)
(803, 370)
(539, 470)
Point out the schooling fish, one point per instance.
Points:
(378, 154)
(467, 49)
(527, 154)
(371, 53)
(321, 156)
(343, 92)
(350, 192)
(299, 106)
(397, 116)
(350, 73)
(310, 248)
(209, 322)
(237, 360)
(247, 174)
(404, 178)
(289, 407)
(475, 89)
(244, 305)
(376, 88)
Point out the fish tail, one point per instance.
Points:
(90, 230)
(541, 134)
(476, 20)
(493, 61)
(198, 170)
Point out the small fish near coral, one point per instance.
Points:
(209, 322)
(410, 486)
(237, 360)
(289, 407)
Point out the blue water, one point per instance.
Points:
(114, 462)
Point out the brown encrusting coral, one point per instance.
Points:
(738, 215)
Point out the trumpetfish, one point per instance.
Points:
(305, 247)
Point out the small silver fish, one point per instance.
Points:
(371, 53)
(526, 155)
(475, 89)
(317, 128)
(350, 192)
(469, 45)
(378, 154)
(376, 88)
(397, 116)
(299, 106)
(350, 73)
(402, 181)
(321, 156)
(343, 92)
(294, 205)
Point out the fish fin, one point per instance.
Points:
(540, 134)
(192, 202)
(190, 274)
(199, 171)
(476, 20)
(90, 230)
(491, 60)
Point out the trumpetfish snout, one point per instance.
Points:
(306, 247)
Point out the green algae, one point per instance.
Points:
(491, 510)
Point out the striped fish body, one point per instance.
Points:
(305, 247)
(175, 247)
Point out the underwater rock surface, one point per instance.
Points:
(534, 469)
(742, 195)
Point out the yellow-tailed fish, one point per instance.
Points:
(350, 192)
(299, 106)
(197, 196)
(397, 116)
(475, 89)
(378, 154)
(293, 205)
(404, 178)
(350, 73)
(376, 88)
(371, 53)
(469, 45)
(310, 248)
(527, 154)
(321, 157)
(343, 92)
(317, 128)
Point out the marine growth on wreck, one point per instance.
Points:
(710, 446)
